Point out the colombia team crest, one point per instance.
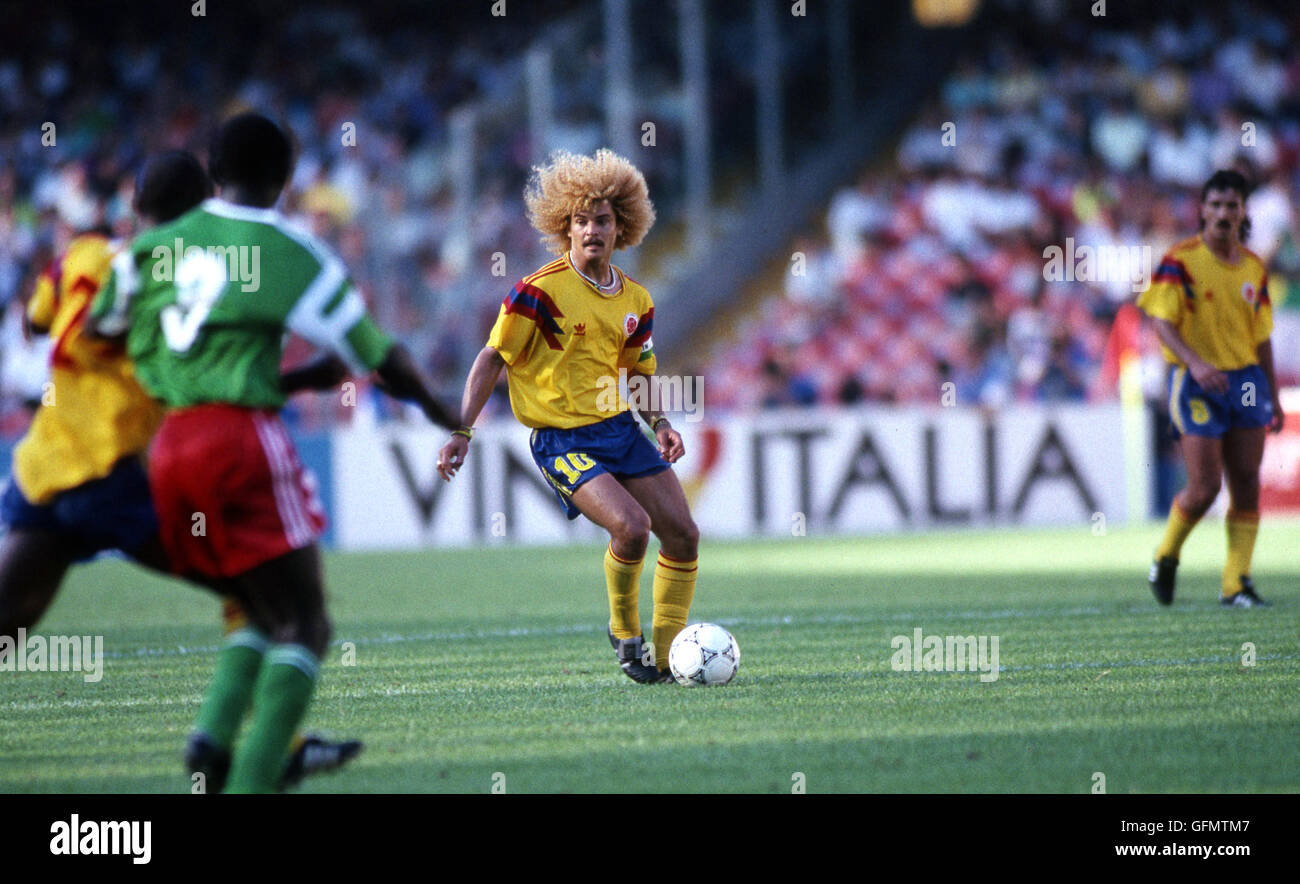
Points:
(1248, 293)
(629, 324)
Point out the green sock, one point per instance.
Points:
(284, 688)
(231, 689)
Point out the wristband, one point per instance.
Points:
(654, 427)
(467, 432)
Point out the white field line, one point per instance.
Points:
(585, 628)
(874, 672)
(582, 628)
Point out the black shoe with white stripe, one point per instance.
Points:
(631, 658)
(1246, 598)
(1161, 579)
(318, 755)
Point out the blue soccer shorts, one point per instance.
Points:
(114, 512)
(1198, 412)
(571, 458)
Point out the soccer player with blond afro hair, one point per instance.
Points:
(565, 334)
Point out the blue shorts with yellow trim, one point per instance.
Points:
(113, 512)
(1198, 412)
(571, 458)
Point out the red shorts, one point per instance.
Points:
(229, 490)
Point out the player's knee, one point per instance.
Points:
(311, 629)
(633, 528)
(688, 538)
(313, 634)
(1201, 494)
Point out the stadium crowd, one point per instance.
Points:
(381, 198)
(932, 267)
(368, 96)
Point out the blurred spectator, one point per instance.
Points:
(1237, 135)
(856, 213)
(23, 360)
(813, 276)
(930, 269)
(940, 261)
(1271, 211)
(1119, 136)
(1180, 154)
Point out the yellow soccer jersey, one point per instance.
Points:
(563, 342)
(93, 413)
(1221, 310)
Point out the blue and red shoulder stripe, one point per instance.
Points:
(1172, 270)
(529, 301)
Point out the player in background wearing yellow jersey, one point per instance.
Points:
(78, 485)
(1209, 302)
(562, 334)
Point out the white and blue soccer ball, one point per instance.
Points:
(704, 654)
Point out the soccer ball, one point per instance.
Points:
(704, 653)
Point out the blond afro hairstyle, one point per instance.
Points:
(571, 183)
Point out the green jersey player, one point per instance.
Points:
(205, 303)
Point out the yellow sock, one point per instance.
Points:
(623, 581)
(674, 589)
(1242, 527)
(1176, 531)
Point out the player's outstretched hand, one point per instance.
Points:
(670, 444)
(452, 457)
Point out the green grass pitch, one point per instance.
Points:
(473, 664)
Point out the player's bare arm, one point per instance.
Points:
(324, 373)
(482, 379)
(402, 378)
(1265, 353)
(1203, 372)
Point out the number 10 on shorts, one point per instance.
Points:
(573, 465)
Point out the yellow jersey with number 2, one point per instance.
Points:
(93, 412)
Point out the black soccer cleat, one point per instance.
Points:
(202, 756)
(629, 651)
(1246, 598)
(318, 755)
(1161, 579)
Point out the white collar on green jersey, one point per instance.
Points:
(217, 206)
